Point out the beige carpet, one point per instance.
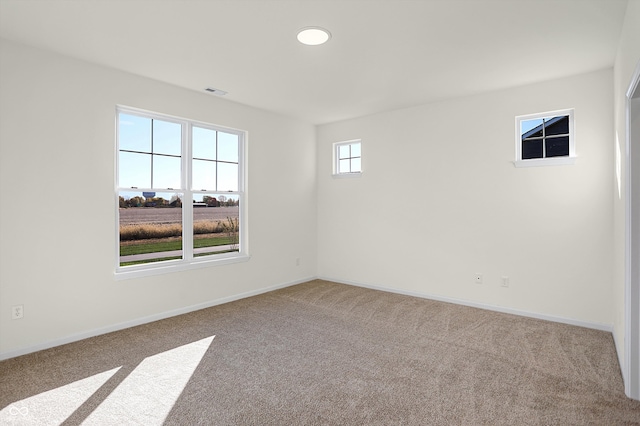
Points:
(325, 353)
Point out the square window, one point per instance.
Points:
(347, 158)
(545, 139)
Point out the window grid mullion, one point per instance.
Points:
(544, 138)
(187, 203)
(152, 153)
(350, 159)
(215, 161)
(216, 165)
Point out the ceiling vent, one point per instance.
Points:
(217, 92)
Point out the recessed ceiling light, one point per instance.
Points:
(313, 36)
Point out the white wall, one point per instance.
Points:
(440, 200)
(627, 59)
(57, 215)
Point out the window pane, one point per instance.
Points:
(531, 128)
(150, 227)
(216, 227)
(134, 170)
(204, 143)
(167, 137)
(227, 147)
(227, 177)
(557, 147)
(355, 165)
(355, 150)
(557, 126)
(134, 133)
(344, 166)
(166, 172)
(204, 175)
(343, 151)
(531, 149)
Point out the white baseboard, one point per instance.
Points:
(144, 320)
(558, 319)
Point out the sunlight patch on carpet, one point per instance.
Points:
(54, 406)
(148, 394)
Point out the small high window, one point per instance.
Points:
(347, 158)
(545, 139)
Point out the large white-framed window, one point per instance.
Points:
(545, 139)
(180, 192)
(347, 158)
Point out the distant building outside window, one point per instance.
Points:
(545, 139)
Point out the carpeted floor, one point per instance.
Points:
(325, 353)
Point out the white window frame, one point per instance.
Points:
(336, 159)
(188, 260)
(548, 161)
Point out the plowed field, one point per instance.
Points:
(173, 215)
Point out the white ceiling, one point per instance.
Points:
(383, 54)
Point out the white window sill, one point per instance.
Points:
(347, 175)
(539, 162)
(160, 268)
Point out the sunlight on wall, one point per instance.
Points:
(55, 406)
(618, 166)
(146, 396)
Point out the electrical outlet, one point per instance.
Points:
(505, 281)
(297, 261)
(478, 279)
(17, 312)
